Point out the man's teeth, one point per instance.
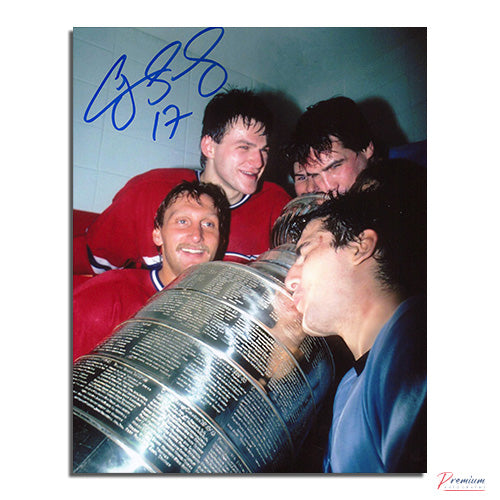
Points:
(192, 250)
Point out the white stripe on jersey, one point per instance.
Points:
(106, 265)
(155, 278)
(241, 256)
(151, 261)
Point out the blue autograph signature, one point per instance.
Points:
(154, 70)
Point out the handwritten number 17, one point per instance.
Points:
(174, 121)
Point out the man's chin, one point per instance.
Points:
(248, 184)
(192, 260)
(310, 329)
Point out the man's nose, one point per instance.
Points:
(196, 232)
(322, 185)
(257, 158)
(311, 186)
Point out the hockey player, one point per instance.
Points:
(361, 274)
(191, 227)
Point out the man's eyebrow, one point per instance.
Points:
(181, 212)
(300, 247)
(250, 143)
(333, 163)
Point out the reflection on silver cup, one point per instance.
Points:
(288, 225)
(213, 375)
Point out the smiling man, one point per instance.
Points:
(234, 150)
(332, 143)
(237, 161)
(191, 227)
(360, 274)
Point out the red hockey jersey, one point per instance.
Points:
(103, 302)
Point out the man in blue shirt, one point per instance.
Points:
(360, 274)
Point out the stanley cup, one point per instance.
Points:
(213, 375)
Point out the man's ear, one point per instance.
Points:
(207, 146)
(368, 151)
(157, 239)
(365, 247)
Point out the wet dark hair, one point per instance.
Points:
(339, 117)
(389, 198)
(226, 108)
(194, 190)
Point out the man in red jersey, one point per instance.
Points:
(191, 227)
(234, 150)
